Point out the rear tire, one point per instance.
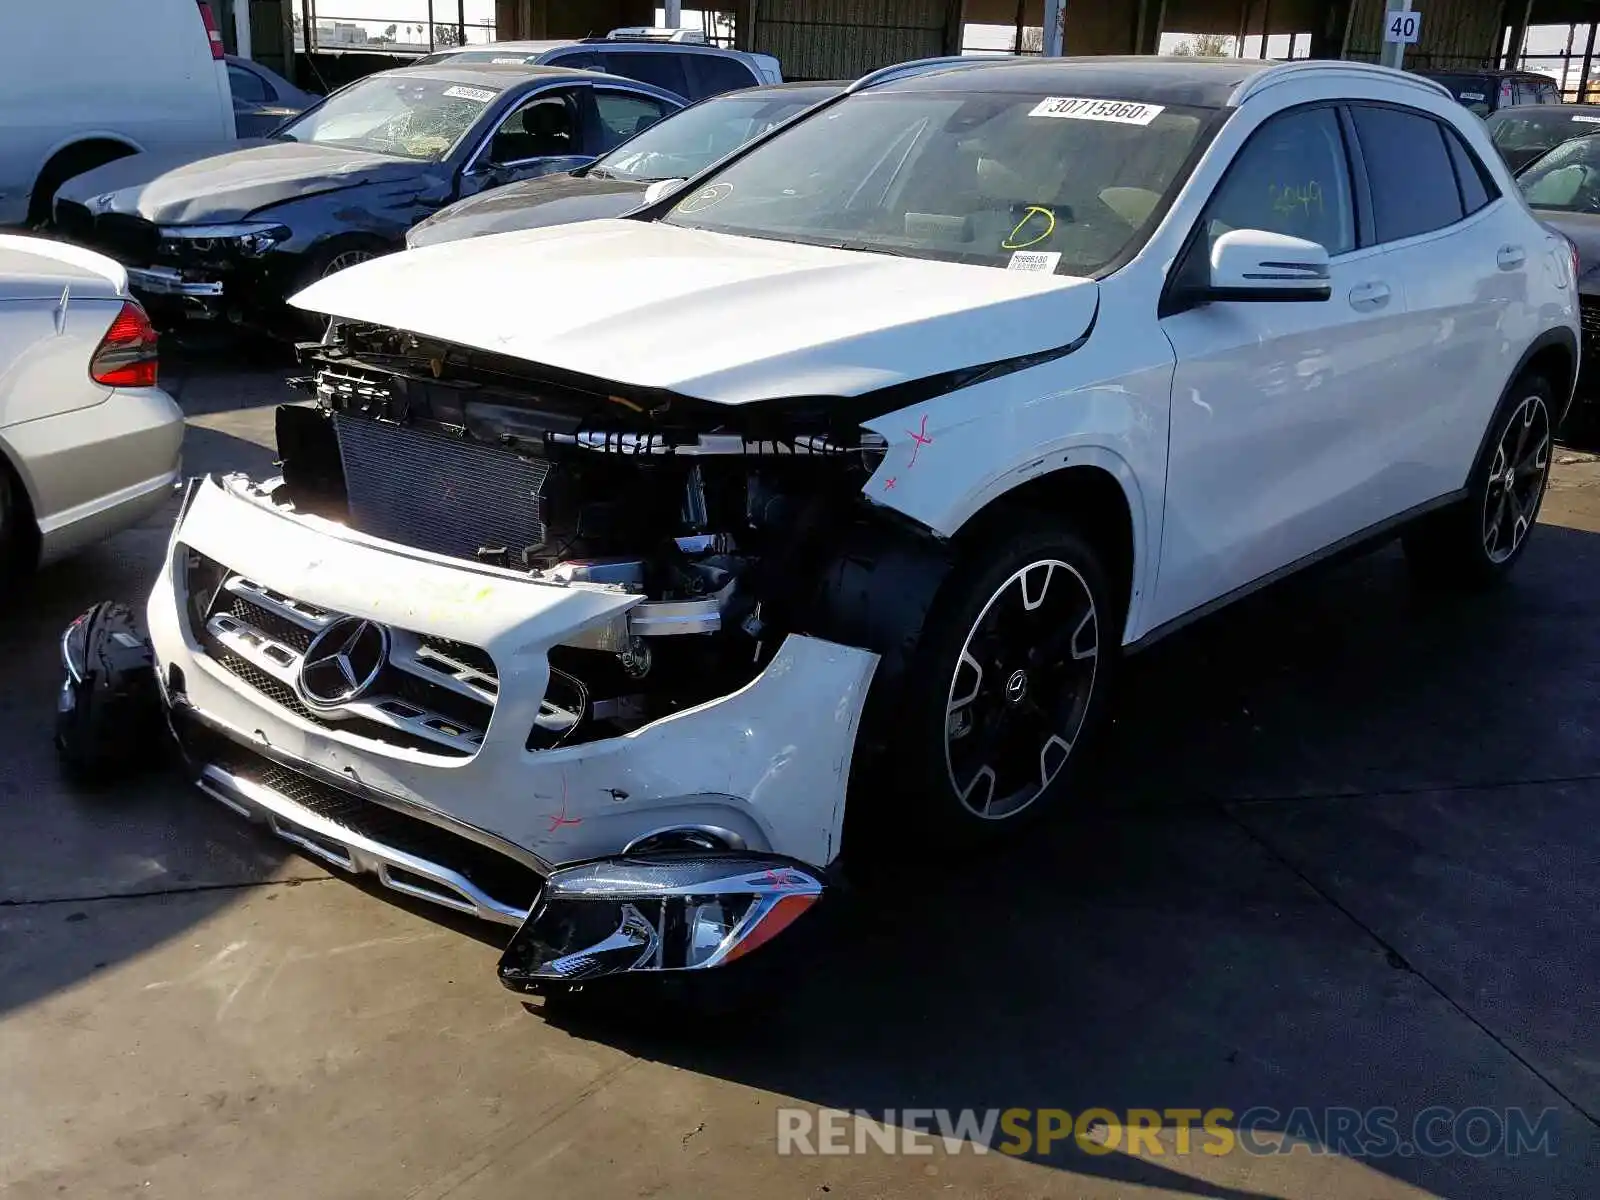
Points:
(1475, 543)
(1006, 690)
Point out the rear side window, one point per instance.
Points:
(247, 85)
(1477, 186)
(714, 74)
(1409, 170)
(577, 60)
(623, 114)
(664, 68)
(1548, 94)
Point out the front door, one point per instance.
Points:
(1277, 407)
(544, 135)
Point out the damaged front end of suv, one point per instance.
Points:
(580, 658)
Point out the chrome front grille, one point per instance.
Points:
(1589, 316)
(430, 694)
(439, 493)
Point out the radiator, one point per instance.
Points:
(439, 493)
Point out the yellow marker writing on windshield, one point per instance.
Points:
(1034, 210)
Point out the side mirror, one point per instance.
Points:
(1254, 265)
(660, 188)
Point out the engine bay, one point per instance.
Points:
(724, 521)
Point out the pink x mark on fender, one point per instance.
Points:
(919, 439)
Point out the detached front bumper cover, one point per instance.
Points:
(649, 913)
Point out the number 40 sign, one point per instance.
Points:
(1402, 27)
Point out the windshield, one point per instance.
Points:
(405, 116)
(964, 177)
(1534, 127)
(1474, 91)
(1567, 179)
(692, 140)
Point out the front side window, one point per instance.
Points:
(404, 116)
(697, 137)
(963, 177)
(1413, 181)
(543, 128)
(1291, 177)
(1567, 179)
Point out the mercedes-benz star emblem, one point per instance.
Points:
(342, 662)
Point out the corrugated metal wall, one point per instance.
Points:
(843, 39)
(1455, 33)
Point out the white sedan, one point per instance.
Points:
(645, 556)
(89, 444)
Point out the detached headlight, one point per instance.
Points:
(661, 912)
(250, 239)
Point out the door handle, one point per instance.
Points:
(1370, 296)
(1511, 257)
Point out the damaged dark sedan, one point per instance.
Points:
(1563, 189)
(231, 234)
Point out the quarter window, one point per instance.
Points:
(1477, 188)
(1292, 177)
(1409, 170)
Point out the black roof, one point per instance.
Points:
(1485, 73)
(1149, 78)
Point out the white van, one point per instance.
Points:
(86, 81)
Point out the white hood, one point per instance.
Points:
(730, 319)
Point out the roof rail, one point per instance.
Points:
(917, 66)
(1303, 66)
(650, 33)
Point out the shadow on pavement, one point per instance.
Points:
(1169, 948)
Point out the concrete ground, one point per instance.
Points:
(1343, 854)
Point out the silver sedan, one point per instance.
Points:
(89, 444)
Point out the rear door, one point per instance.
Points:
(543, 133)
(1460, 250)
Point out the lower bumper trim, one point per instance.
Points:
(348, 850)
(341, 827)
(163, 281)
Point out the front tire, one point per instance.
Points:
(1475, 543)
(1007, 687)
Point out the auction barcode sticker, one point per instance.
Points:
(481, 95)
(1123, 112)
(1034, 260)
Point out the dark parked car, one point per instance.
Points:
(1523, 134)
(681, 61)
(1563, 189)
(1485, 92)
(680, 146)
(237, 232)
(262, 99)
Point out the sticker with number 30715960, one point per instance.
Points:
(1078, 108)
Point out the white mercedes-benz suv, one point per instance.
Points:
(620, 567)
